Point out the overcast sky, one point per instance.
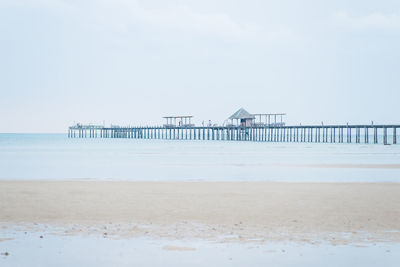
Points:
(131, 62)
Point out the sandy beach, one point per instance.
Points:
(240, 210)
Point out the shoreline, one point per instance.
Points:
(238, 211)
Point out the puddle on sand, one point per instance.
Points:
(45, 249)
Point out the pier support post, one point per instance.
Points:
(301, 135)
(385, 136)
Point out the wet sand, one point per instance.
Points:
(241, 210)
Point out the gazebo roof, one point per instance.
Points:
(241, 114)
(178, 117)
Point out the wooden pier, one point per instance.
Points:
(382, 134)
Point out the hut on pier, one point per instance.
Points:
(178, 121)
(242, 118)
(245, 119)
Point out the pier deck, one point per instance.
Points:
(376, 134)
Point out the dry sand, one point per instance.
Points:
(214, 210)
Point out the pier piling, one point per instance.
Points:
(258, 133)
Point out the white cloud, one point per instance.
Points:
(120, 15)
(185, 19)
(378, 21)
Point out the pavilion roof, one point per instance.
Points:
(177, 117)
(241, 114)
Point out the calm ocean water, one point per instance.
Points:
(54, 156)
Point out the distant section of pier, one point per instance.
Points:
(243, 126)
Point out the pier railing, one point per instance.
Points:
(376, 134)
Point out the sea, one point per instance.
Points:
(57, 157)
